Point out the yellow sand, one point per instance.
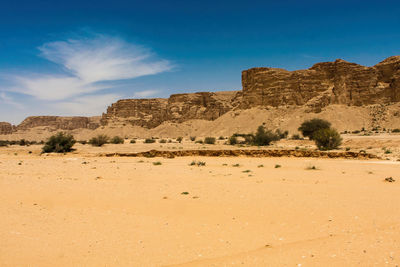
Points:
(77, 210)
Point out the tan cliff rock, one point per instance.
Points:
(6, 128)
(150, 113)
(59, 123)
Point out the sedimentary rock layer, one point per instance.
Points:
(150, 113)
(338, 82)
(59, 123)
(6, 128)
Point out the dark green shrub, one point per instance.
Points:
(296, 137)
(149, 141)
(396, 130)
(209, 140)
(133, 141)
(162, 141)
(117, 140)
(310, 127)
(282, 135)
(263, 137)
(4, 143)
(232, 140)
(23, 142)
(99, 140)
(59, 143)
(82, 142)
(327, 139)
(179, 139)
(221, 138)
(199, 142)
(192, 138)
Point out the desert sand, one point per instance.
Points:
(80, 209)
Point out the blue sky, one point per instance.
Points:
(77, 57)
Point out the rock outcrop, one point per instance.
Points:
(338, 82)
(6, 128)
(150, 113)
(59, 123)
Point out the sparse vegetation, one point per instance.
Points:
(232, 140)
(296, 137)
(59, 143)
(157, 163)
(397, 130)
(277, 166)
(327, 139)
(221, 138)
(117, 140)
(179, 139)
(311, 167)
(149, 141)
(236, 165)
(198, 163)
(209, 140)
(99, 140)
(192, 138)
(264, 137)
(310, 127)
(133, 141)
(199, 142)
(162, 141)
(260, 166)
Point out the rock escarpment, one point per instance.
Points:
(150, 113)
(323, 84)
(59, 123)
(338, 82)
(6, 128)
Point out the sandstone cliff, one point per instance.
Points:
(338, 82)
(6, 128)
(59, 123)
(150, 113)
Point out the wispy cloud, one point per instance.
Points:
(91, 68)
(5, 99)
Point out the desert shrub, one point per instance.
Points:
(310, 127)
(179, 139)
(59, 143)
(192, 138)
(396, 130)
(4, 143)
(163, 141)
(133, 141)
(209, 140)
(82, 142)
(199, 142)
(356, 132)
(149, 141)
(282, 135)
(296, 137)
(157, 163)
(23, 142)
(232, 140)
(327, 139)
(221, 138)
(99, 140)
(264, 137)
(117, 140)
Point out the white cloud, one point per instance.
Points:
(103, 59)
(146, 93)
(88, 63)
(4, 98)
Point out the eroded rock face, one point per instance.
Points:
(6, 128)
(150, 113)
(338, 82)
(59, 123)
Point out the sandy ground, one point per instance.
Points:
(82, 210)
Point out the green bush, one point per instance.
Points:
(99, 140)
(396, 130)
(149, 141)
(232, 140)
(192, 138)
(4, 143)
(209, 140)
(133, 141)
(117, 140)
(221, 138)
(296, 137)
(179, 139)
(263, 137)
(327, 139)
(310, 127)
(163, 141)
(59, 143)
(282, 135)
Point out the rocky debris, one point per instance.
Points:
(326, 83)
(6, 128)
(150, 113)
(59, 123)
(389, 180)
(247, 153)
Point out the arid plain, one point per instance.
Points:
(83, 209)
